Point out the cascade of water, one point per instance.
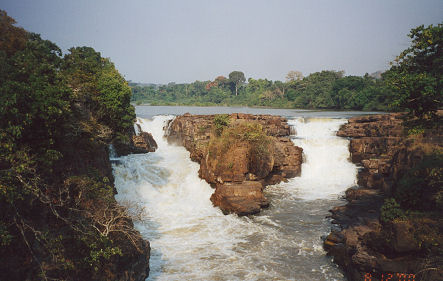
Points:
(192, 240)
(326, 171)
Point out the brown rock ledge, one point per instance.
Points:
(361, 244)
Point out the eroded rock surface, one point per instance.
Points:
(258, 152)
(363, 245)
(143, 143)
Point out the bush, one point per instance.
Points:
(421, 188)
(249, 132)
(391, 211)
(220, 122)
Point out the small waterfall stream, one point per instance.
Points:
(192, 240)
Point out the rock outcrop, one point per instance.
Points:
(364, 246)
(141, 142)
(253, 151)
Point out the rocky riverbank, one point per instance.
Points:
(239, 154)
(377, 238)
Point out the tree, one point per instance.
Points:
(281, 86)
(416, 75)
(80, 67)
(237, 78)
(114, 97)
(12, 38)
(51, 161)
(294, 76)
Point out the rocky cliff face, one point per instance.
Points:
(70, 219)
(362, 244)
(254, 151)
(133, 264)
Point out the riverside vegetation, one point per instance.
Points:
(320, 90)
(413, 83)
(59, 218)
(58, 114)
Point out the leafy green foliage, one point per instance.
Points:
(220, 122)
(115, 109)
(100, 88)
(5, 236)
(57, 114)
(416, 76)
(237, 78)
(421, 188)
(326, 89)
(414, 83)
(98, 256)
(391, 211)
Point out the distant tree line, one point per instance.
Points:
(320, 90)
(413, 84)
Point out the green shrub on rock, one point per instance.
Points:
(421, 188)
(220, 122)
(391, 211)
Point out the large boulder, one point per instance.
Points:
(243, 198)
(144, 142)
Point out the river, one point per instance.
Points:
(192, 240)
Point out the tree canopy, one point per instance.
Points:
(57, 116)
(237, 78)
(326, 90)
(416, 76)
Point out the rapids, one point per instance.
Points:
(192, 240)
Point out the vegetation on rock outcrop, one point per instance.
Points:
(239, 154)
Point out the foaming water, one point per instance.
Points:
(326, 171)
(192, 240)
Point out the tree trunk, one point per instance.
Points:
(235, 89)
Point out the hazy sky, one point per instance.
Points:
(161, 41)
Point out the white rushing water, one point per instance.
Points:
(192, 240)
(326, 170)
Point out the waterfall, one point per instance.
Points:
(326, 170)
(192, 240)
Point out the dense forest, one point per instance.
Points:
(58, 114)
(320, 90)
